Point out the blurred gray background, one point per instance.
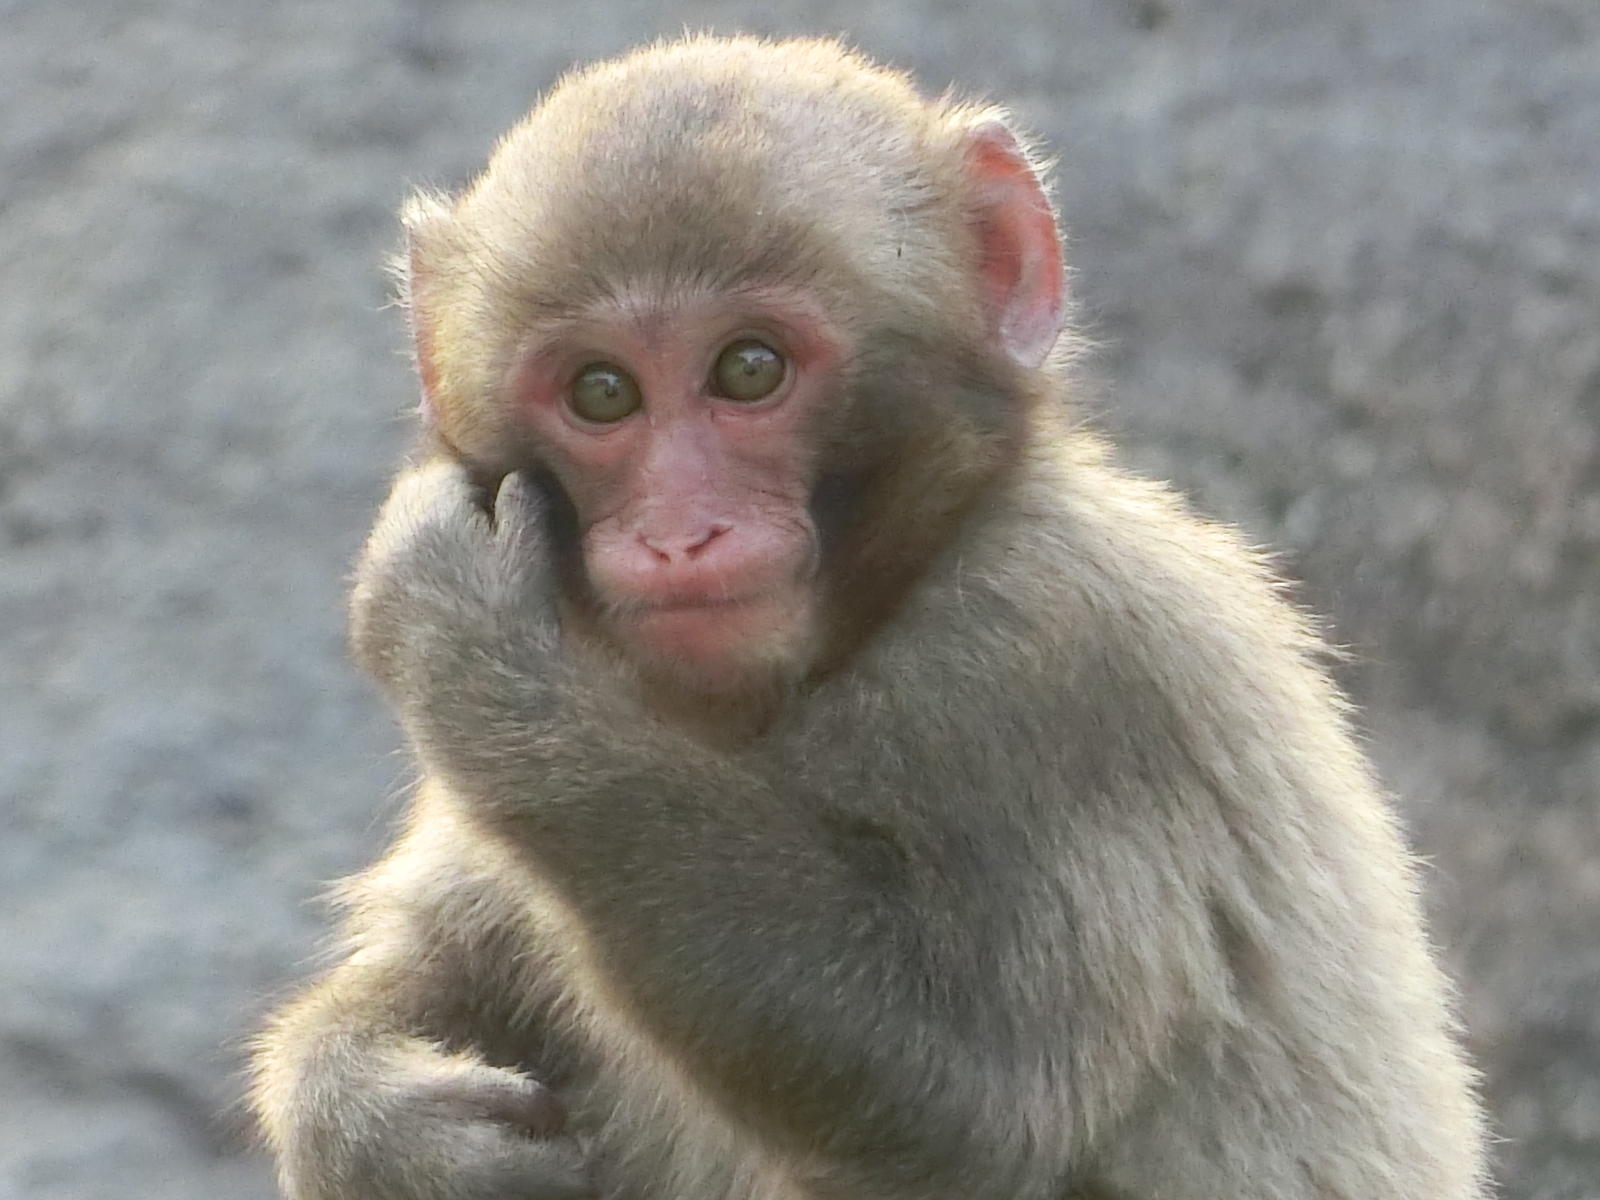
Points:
(1343, 260)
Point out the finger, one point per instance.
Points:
(524, 1104)
(534, 1110)
(519, 515)
(519, 511)
(438, 492)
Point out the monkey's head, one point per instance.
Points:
(764, 325)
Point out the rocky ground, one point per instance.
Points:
(1343, 261)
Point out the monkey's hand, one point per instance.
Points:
(376, 1119)
(454, 606)
(476, 1134)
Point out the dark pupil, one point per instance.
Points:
(752, 360)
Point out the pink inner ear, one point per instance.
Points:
(1024, 285)
(421, 334)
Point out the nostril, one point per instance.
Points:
(655, 548)
(710, 535)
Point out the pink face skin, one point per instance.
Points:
(696, 532)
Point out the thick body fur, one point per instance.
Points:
(1062, 876)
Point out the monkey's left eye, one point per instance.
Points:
(747, 370)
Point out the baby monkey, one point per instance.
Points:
(840, 781)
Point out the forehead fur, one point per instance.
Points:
(714, 161)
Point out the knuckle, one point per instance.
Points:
(502, 1097)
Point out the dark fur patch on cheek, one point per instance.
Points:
(836, 503)
(564, 534)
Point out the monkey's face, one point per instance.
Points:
(655, 296)
(681, 431)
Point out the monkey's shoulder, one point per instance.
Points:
(1081, 560)
(1094, 620)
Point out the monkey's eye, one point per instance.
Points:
(747, 370)
(603, 393)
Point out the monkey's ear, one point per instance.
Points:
(1023, 281)
(427, 223)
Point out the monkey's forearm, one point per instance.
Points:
(803, 959)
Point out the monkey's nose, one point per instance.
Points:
(675, 548)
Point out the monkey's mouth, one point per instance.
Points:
(713, 629)
(697, 604)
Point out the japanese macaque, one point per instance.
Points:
(839, 779)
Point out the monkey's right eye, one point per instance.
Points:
(603, 394)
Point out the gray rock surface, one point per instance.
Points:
(1344, 264)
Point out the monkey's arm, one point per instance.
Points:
(375, 1084)
(814, 975)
